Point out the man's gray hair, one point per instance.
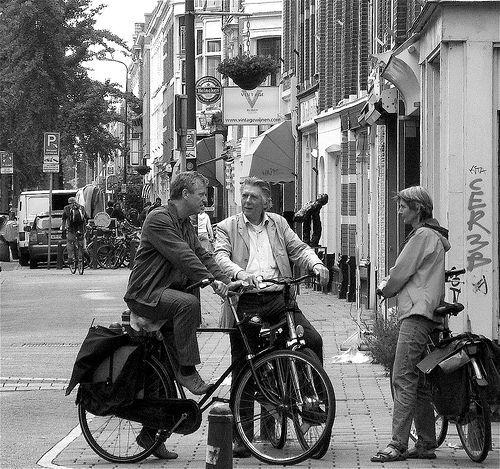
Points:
(417, 197)
(185, 180)
(264, 187)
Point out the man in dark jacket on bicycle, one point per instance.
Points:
(255, 244)
(74, 222)
(169, 259)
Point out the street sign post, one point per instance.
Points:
(51, 142)
(6, 162)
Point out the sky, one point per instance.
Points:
(119, 17)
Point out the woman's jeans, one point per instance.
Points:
(412, 397)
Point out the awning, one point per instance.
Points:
(272, 155)
(205, 151)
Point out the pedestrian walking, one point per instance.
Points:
(205, 231)
(417, 279)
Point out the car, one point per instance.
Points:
(38, 238)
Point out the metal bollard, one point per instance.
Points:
(60, 251)
(220, 438)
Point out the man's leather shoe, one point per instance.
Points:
(144, 440)
(194, 383)
(240, 450)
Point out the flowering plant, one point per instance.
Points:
(248, 71)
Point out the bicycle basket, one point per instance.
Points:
(449, 391)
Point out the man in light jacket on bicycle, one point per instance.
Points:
(255, 244)
(417, 279)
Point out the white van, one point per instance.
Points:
(31, 203)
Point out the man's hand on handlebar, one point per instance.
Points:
(323, 273)
(254, 281)
(220, 288)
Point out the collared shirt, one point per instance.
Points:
(261, 260)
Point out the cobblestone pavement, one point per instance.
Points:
(364, 404)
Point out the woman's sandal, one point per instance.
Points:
(389, 454)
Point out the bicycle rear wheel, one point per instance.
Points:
(297, 393)
(474, 428)
(114, 438)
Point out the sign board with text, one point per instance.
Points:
(251, 107)
(6, 162)
(51, 144)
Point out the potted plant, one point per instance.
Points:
(248, 71)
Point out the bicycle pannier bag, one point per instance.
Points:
(115, 382)
(449, 391)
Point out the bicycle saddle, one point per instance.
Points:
(448, 308)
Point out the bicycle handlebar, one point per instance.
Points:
(288, 281)
(202, 284)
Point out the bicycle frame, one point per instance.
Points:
(294, 342)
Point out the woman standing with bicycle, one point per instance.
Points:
(417, 279)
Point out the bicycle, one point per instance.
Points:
(457, 361)
(287, 391)
(78, 253)
(117, 253)
(470, 412)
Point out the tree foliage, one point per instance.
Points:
(45, 87)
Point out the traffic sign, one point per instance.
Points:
(6, 162)
(51, 143)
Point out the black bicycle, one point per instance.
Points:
(283, 401)
(457, 375)
(454, 368)
(78, 263)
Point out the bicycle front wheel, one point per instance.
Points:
(114, 438)
(296, 392)
(474, 428)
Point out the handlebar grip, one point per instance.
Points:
(202, 284)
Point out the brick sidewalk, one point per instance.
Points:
(364, 404)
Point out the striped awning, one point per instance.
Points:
(146, 191)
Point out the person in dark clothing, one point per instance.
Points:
(74, 220)
(155, 205)
(170, 257)
(118, 212)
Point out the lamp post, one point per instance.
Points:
(125, 130)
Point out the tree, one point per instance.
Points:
(44, 84)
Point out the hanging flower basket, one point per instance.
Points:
(143, 169)
(248, 71)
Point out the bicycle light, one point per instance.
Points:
(299, 330)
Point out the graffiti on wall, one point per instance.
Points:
(456, 286)
(479, 235)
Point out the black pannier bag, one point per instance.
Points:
(449, 391)
(117, 382)
(114, 381)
